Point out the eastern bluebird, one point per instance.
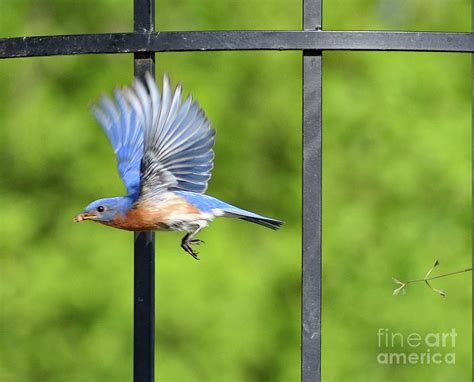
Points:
(164, 157)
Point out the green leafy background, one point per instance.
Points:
(397, 196)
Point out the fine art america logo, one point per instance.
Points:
(416, 348)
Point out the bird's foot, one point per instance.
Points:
(186, 245)
(196, 242)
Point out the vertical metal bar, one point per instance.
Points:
(144, 247)
(312, 198)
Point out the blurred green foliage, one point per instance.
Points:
(397, 195)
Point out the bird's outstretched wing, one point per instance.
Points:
(177, 137)
(123, 125)
(160, 142)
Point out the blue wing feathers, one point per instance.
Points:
(160, 143)
(120, 123)
(182, 133)
(178, 141)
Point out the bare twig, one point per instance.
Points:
(426, 279)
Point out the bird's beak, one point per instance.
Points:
(81, 217)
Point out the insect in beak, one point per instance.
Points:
(81, 217)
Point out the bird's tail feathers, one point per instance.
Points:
(253, 218)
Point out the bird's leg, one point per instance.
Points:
(188, 240)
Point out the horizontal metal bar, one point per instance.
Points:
(235, 40)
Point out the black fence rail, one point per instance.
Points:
(312, 41)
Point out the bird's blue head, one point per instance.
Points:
(104, 210)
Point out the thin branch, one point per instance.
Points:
(426, 279)
(438, 277)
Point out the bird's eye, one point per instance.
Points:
(100, 209)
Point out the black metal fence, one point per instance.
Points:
(312, 41)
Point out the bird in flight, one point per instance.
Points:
(164, 157)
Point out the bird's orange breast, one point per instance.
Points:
(151, 217)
